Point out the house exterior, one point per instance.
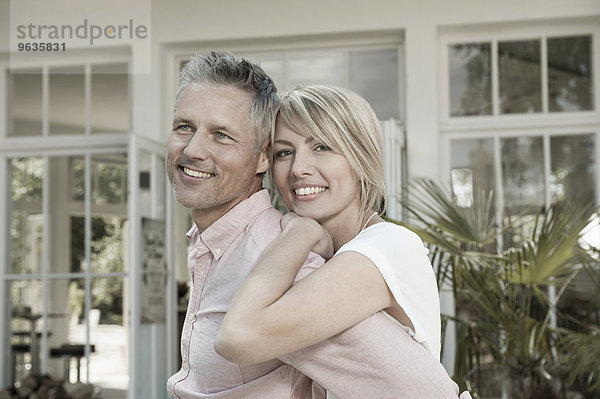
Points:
(473, 94)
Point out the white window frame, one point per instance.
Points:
(497, 126)
(85, 58)
(45, 146)
(516, 32)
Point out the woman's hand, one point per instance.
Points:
(323, 244)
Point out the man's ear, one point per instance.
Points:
(264, 158)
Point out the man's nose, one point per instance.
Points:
(196, 147)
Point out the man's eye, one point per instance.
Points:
(184, 128)
(221, 135)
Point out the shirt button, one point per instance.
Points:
(185, 365)
(218, 251)
(192, 317)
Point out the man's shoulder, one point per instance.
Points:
(265, 227)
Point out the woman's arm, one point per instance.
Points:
(270, 317)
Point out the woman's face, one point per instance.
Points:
(314, 180)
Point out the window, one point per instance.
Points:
(372, 72)
(521, 116)
(500, 77)
(68, 261)
(68, 100)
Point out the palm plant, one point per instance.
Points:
(504, 313)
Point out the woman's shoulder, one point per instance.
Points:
(388, 232)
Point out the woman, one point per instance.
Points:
(327, 166)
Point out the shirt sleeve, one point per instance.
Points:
(374, 359)
(402, 260)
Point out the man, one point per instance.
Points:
(217, 154)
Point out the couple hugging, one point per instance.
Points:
(329, 297)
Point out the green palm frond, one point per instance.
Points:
(583, 356)
(436, 208)
(549, 255)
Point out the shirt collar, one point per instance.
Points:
(219, 235)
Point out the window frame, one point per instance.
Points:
(85, 58)
(498, 126)
(516, 32)
(46, 146)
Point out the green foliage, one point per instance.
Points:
(504, 311)
(583, 360)
(27, 175)
(106, 257)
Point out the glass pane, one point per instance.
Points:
(523, 182)
(470, 76)
(108, 249)
(107, 244)
(77, 244)
(570, 74)
(26, 304)
(25, 103)
(472, 169)
(374, 75)
(110, 98)
(523, 173)
(316, 68)
(67, 100)
(27, 220)
(109, 364)
(572, 168)
(66, 323)
(520, 77)
(77, 179)
(109, 180)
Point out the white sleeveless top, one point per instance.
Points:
(402, 260)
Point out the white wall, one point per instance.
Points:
(227, 20)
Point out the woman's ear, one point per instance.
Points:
(264, 160)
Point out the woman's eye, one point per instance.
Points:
(322, 147)
(283, 153)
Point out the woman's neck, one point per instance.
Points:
(344, 227)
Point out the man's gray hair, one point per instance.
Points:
(223, 68)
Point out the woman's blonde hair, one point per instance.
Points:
(345, 122)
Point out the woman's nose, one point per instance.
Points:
(303, 165)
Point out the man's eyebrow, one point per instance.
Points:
(179, 120)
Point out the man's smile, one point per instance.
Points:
(196, 173)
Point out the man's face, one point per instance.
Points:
(211, 161)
